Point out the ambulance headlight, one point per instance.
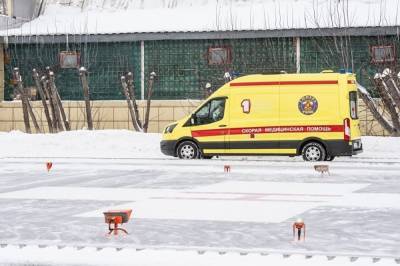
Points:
(170, 128)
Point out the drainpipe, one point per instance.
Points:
(142, 70)
(298, 51)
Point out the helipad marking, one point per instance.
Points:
(226, 201)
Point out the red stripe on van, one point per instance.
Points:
(267, 130)
(273, 83)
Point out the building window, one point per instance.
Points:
(219, 55)
(69, 59)
(383, 54)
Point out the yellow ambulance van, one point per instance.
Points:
(312, 115)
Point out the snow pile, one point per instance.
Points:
(108, 256)
(82, 143)
(381, 147)
(135, 16)
(128, 144)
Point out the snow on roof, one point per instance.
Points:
(7, 22)
(139, 16)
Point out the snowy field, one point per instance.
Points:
(191, 212)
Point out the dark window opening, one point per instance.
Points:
(219, 55)
(69, 59)
(383, 54)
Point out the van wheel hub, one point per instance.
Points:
(313, 154)
(187, 152)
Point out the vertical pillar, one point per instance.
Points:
(298, 55)
(1, 73)
(9, 6)
(142, 70)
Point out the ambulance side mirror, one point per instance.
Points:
(193, 119)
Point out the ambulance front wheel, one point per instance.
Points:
(187, 150)
(313, 151)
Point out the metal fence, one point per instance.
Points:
(183, 67)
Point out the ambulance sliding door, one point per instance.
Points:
(254, 112)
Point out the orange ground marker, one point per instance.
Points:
(227, 168)
(117, 217)
(49, 165)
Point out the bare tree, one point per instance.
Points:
(57, 98)
(128, 89)
(130, 99)
(39, 88)
(21, 92)
(86, 93)
(148, 104)
(26, 106)
(132, 95)
(387, 85)
(46, 87)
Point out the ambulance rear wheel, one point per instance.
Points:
(313, 151)
(187, 150)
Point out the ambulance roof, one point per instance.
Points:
(289, 77)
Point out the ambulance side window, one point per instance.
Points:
(211, 112)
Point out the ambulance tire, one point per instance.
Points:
(188, 150)
(329, 158)
(202, 156)
(313, 151)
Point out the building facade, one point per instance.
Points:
(191, 44)
(184, 65)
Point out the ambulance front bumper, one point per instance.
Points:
(168, 147)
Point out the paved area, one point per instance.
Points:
(195, 204)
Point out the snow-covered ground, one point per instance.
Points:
(128, 144)
(83, 143)
(184, 208)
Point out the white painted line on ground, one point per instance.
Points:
(266, 202)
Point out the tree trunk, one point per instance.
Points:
(133, 99)
(57, 109)
(148, 105)
(26, 107)
(21, 92)
(85, 85)
(130, 107)
(388, 102)
(33, 117)
(47, 89)
(59, 103)
(393, 91)
(43, 98)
